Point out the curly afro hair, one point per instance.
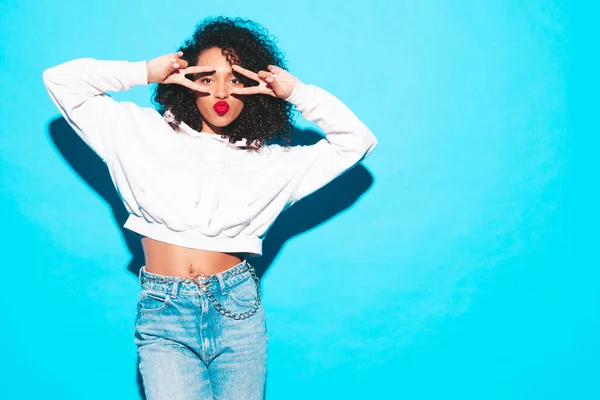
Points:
(248, 44)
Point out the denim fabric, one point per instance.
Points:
(189, 350)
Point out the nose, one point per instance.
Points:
(221, 91)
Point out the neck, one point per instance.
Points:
(216, 130)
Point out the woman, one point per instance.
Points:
(202, 183)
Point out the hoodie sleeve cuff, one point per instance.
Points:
(296, 92)
(136, 73)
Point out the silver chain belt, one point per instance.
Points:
(207, 280)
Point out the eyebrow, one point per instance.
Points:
(203, 74)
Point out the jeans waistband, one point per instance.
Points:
(187, 286)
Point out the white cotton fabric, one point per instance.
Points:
(195, 189)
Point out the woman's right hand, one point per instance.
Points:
(170, 68)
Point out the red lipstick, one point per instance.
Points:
(221, 107)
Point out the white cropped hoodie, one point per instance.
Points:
(195, 189)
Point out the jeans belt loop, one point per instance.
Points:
(221, 283)
(174, 288)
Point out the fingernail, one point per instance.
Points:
(269, 79)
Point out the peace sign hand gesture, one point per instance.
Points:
(277, 82)
(167, 69)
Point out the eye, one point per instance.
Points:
(205, 80)
(235, 81)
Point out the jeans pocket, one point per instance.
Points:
(244, 293)
(152, 301)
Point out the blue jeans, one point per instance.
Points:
(188, 349)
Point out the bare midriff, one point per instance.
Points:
(172, 260)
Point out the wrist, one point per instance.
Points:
(149, 78)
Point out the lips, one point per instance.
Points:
(221, 107)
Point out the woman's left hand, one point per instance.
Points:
(277, 82)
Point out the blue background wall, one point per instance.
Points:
(458, 262)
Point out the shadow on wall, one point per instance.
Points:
(306, 214)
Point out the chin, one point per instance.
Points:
(221, 122)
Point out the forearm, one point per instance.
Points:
(78, 88)
(348, 140)
(348, 136)
(72, 82)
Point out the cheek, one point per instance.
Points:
(236, 107)
(203, 102)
